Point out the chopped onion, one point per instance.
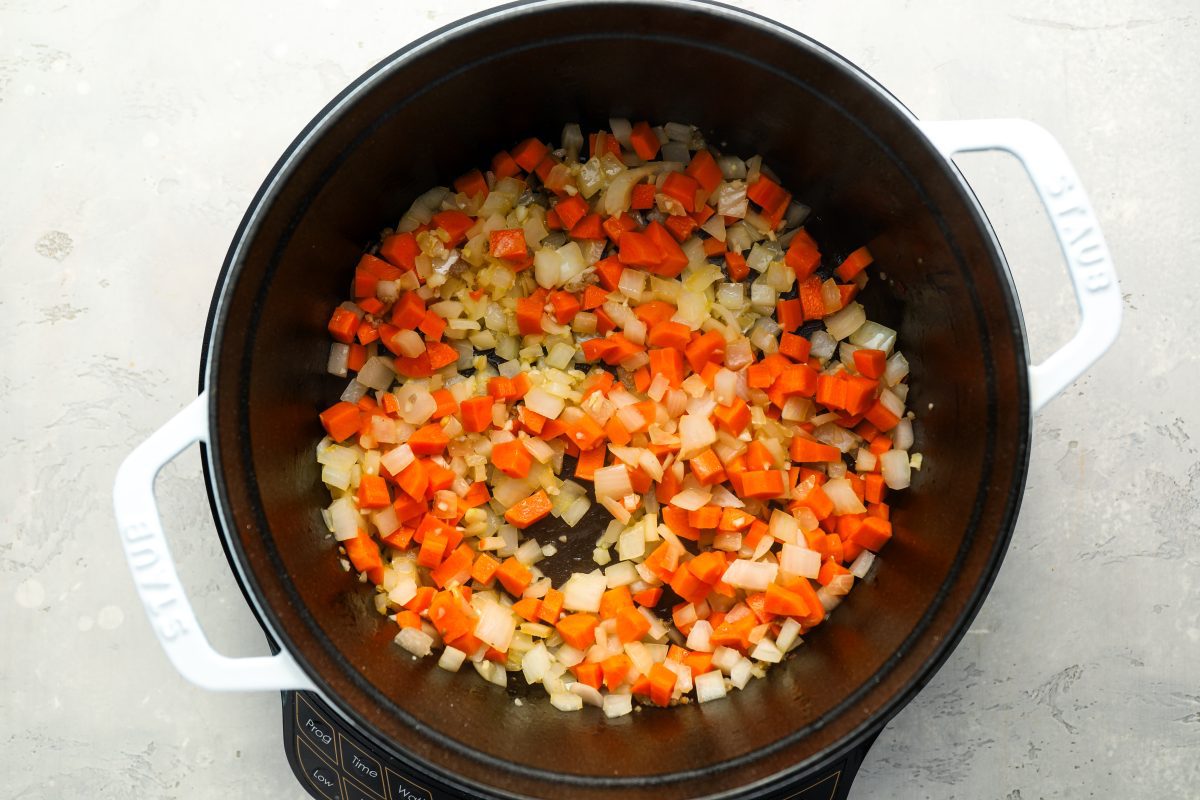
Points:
(339, 355)
(612, 481)
(688, 499)
(617, 705)
(845, 322)
(451, 659)
(841, 493)
(566, 701)
(873, 336)
(797, 560)
(902, 435)
(753, 576)
(582, 591)
(696, 434)
(894, 467)
(896, 369)
(542, 402)
(415, 641)
(862, 564)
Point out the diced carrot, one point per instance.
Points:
(363, 553)
(514, 576)
(414, 479)
(674, 335)
(508, 244)
(682, 188)
(784, 602)
(551, 606)
(855, 263)
(873, 534)
(343, 325)
(620, 348)
(681, 227)
(613, 600)
(566, 306)
(589, 673)
(341, 420)
(814, 498)
(451, 615)
(733, 418)
(589, 227)
(594, 297)
(662, 685)
(802, 255)
(641, 380)
(809, 451)
(476, 413)
(870, 363)
(794, 347)
(472, 184)
(373, 492)
(734, 519)
(648, 598)
(529, 316)
(639, 250)
(709, 566)
(789, 314)
(881, 417)
(874, 488)
(708, 347)
(766, 192)
(736, 264)
(685, 584)
(578, 630)
(529, 153)
(644, 140)
(571, 210)
(704, 168)
(672, 258)
(677, 520)
(631, 625)
(401, 249)
(616, 225)
(446, 404)
(357, 357)
(428, 440)
(455, 223)
(484, 569)
(530, 510)
(505, 166)
(408, 311)
(433, 548)
(512, 458)
(736, 633)
(615, 668)
(669, 363)
(455, 567)
(527, 608)
(642, 198)
(762, 484)
(707, 468)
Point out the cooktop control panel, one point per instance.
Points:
(333, 764)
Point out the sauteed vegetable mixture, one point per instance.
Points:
(632, 319)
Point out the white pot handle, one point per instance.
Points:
(1075, 225)
(154, 570)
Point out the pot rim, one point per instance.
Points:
(329, 116)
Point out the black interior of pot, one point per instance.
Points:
(845, 149)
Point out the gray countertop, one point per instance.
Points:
(136, 134)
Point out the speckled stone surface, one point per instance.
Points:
(136, 133)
